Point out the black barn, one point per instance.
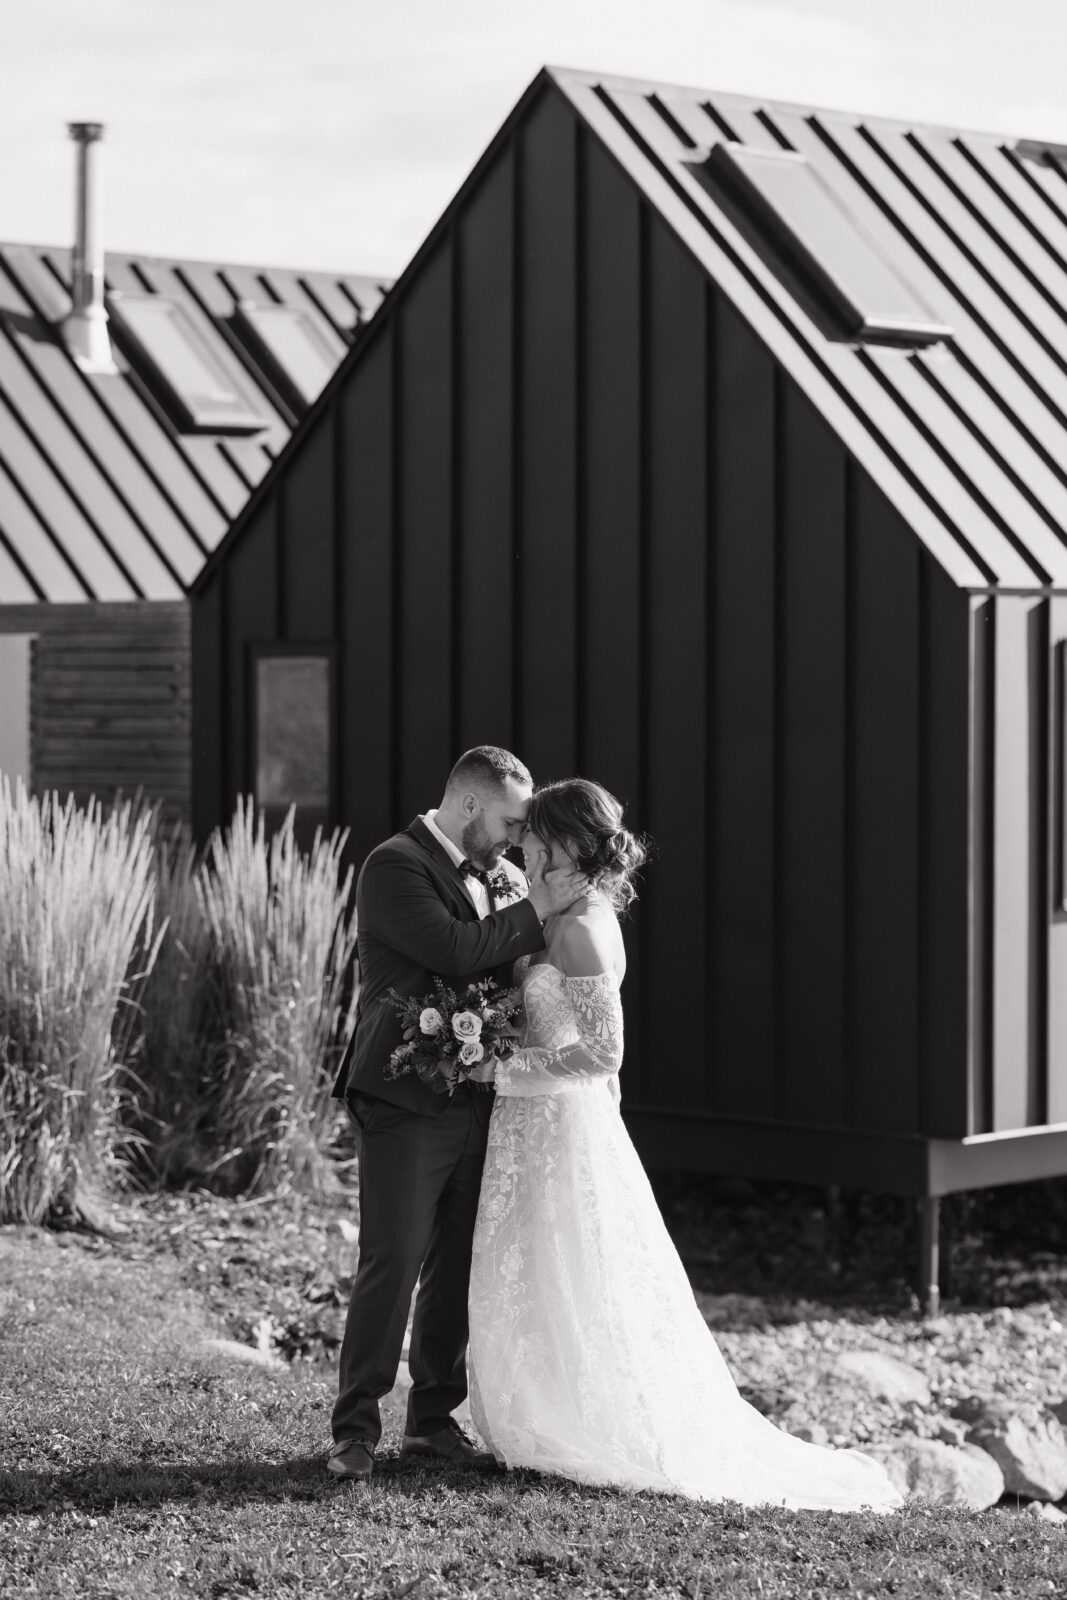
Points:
(716, 449)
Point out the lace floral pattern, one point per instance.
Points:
(573, 1033)
(588, 1355)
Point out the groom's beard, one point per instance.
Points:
(479, 848)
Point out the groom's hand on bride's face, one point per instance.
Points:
(554, 889)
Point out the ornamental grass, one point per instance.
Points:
(278, 1004)
(76, 907)
(164, 1045)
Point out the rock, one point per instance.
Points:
(770, 1399)
(246, 1352)
(885, 1376)
(1047, 1513)
(1026, 1441)
(1059, 1411)
(947, 1475)
(950, 1430)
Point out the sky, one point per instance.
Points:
(333, 133)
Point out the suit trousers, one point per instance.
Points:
(419, 1179)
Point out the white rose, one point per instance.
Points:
(431, 1021)
(466, 1025)
(471, 1052)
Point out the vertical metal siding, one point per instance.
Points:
(1056, 993)
(367, 709)
(1013, 941)
(308, 531)
(486, 573)
(945, 775)
(674, 665)
(611, 512)
(581, 509)
(546, 713)
(812, 765)
(980, 843)
(742, 637)
(1039, 767)
(424, 534)
(613, 725)
(251, 612)
(210, 781)
(883, 815)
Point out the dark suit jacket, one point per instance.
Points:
(416, 922)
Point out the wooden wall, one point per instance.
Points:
(109, 699)
(565, 501)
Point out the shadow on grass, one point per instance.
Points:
(104, 1486)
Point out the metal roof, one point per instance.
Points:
(103, 494)
(967, 436)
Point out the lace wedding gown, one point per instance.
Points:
(588, 1354)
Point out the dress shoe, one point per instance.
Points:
(449, 1443)
(352, 1458)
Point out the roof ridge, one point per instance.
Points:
(217, 265)
(752, 102)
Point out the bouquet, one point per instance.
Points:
(447, 1034)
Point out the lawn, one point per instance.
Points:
(140, 1460)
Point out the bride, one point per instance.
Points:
(588, 1354)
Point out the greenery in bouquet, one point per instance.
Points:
(449, 1033)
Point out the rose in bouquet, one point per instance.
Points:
(449, 1033)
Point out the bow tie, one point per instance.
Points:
(467, 869)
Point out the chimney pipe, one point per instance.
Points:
(85, 329)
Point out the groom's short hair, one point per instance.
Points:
(487, 766)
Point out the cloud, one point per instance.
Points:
(334, 132)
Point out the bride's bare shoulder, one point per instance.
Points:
(587, 942)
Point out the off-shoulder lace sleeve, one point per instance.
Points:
(585, 1016)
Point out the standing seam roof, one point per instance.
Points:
(967, 437)
(102, 496)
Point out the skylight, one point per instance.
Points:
(191, 377)
(290, 347)
(810, 226)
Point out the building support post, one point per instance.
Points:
(930, 1254)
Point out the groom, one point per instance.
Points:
(426, 906)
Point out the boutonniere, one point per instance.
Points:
(504, 887)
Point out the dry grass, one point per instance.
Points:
(76, 904)
(179, 1018)
(279, 1005)
(162, 1038)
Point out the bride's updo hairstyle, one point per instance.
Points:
(586, 821)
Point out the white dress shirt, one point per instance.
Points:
(479, 894)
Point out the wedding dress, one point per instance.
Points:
(588, 1354)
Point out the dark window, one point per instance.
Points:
(194, 380)
(293, 731)
(292, 350)
(810, 226)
